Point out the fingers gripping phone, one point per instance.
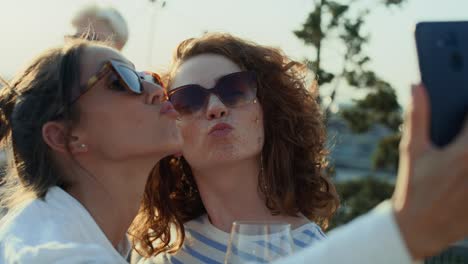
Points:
(443, 61)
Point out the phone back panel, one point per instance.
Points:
(443, 62)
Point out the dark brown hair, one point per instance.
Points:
(36, 96)
(294, 154)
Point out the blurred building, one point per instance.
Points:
(352, 150)
(351, 153)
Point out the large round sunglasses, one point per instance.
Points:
(233, 90)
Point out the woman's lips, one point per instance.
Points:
(220, 130)
(168, 109)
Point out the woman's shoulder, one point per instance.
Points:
(38, 218)
(48, 227)
(306, 234)
(32, 224)
(54, 252)
(310, 227)
(39, 223)
(203, 243)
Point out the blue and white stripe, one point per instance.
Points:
(206, 244)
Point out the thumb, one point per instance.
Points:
(418, 122)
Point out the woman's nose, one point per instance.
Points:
(215, 108)
(154, 94)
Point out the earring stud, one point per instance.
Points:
(83, 146)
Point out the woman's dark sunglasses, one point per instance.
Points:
(233, 90)
(122, 78)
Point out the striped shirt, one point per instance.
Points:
(206, 244)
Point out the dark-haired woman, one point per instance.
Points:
(84, 130)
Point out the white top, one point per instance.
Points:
(56, 230)
(370, 239)
(204, 243)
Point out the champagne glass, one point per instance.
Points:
(258, 242)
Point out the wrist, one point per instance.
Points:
(419, 240)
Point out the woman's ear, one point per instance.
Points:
(55, 135)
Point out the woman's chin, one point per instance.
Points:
(171, 143)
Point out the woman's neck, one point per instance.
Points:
(230, 193)
(112, 194)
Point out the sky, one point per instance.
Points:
(27, 27)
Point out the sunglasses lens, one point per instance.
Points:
(131, 79)
(237, 89)
(188, 99)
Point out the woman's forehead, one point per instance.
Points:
(204, 70)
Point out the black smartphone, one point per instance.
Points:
(443, 62)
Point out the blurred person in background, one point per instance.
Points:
(101, 23)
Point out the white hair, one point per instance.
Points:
(104, 13)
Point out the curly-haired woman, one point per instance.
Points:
(254, 149)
